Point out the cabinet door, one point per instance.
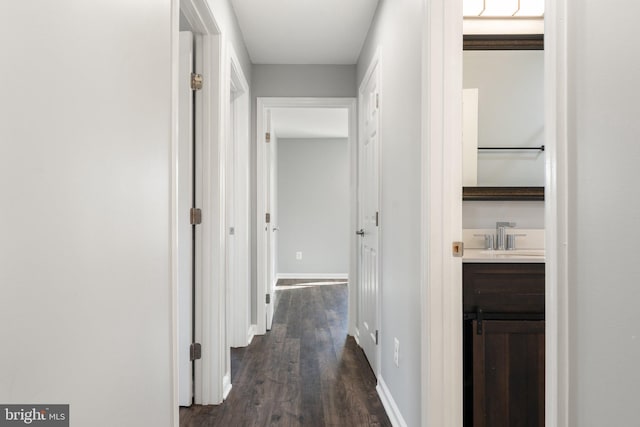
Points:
(508, 373)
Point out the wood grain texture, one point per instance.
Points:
(306, 371)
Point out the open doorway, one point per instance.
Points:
(315, 140)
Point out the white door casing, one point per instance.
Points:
(185, 202)
(369, 215)
(212, 376)
(237, 193)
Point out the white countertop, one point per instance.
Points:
(518, 255)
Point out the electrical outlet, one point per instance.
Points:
(298, 256)
(396, 352)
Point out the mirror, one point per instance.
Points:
(503, 79)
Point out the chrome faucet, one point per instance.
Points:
(501, 234)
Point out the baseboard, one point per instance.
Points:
(389, 404)
(253, 329)
(344, 276)
(226, 386)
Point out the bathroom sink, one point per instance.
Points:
(516, 255)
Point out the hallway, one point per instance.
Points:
(304, 372)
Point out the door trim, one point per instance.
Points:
(441, 219)
(264, 104)
(441, 379)
(237, 118)
(211, 380)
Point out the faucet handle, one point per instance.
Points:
(511, 241)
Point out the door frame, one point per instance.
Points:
(237, 118)
(441, 282)
(212, 381)
(263, 105)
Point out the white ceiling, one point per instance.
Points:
(304, 31)
(310, 122)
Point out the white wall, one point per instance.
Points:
(230, 29)
(485, 214)
(313, 205)
(510, 113)
(85, 161)
(293, 81)
(604, 213)
(397, 29)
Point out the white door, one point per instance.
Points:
(270, 227)
(369, 219)
(185, 229)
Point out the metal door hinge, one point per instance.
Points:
(457, 249)
(376, 337)
(377, 219)
(268, 299)
(267, 218)
(196, 81)
(196, 216)
(267, 137)
(195, 351)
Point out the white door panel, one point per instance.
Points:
(268, 230)
(369, 258)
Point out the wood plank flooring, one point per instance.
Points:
(304, 372)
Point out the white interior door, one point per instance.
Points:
(270, 227)
(185, 229)
(368, 187)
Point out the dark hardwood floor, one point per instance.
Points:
(304, 372)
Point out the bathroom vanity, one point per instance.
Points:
(504, 339)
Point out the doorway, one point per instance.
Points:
(441, 222)
(267, 223)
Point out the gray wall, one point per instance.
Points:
(510, 113)
(604, 212)
(397, 29)
(313, 205)
(291, 81)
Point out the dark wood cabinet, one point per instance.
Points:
(504, 350)
(508, 374)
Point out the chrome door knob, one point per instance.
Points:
(360, 232)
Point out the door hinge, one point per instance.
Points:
(267, 218)
(377, 219)
(195, 351)
(457, 249)
(268, 299)
(196, 81)
(267, 137)
(376, 337)
(196, 216)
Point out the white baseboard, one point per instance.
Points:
(253, 329)
(226, 386)
(389, 404)
(344, 276)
